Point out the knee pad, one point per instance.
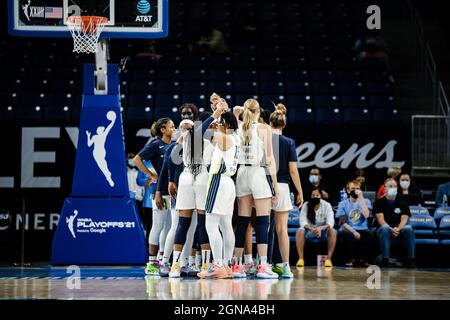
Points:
(182, 229)
(201, 229)
(241, 228)
(195, 243)
(262, 229)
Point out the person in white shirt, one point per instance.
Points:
(316, 222)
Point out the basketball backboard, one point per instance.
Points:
(126, 18)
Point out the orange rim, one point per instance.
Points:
(89, 23)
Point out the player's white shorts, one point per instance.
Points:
(253, 180)
(192, 191)
(283, 201)
(221, 194)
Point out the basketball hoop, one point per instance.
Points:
(86, 31)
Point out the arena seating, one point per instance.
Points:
(301, 54)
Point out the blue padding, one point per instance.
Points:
(445, 242)
(292, 230)
(427, 241)
(445, 223)
(441, 212)
(444, 232)
(424, 232)
(418, 210)
(294, 218)
(420, 221)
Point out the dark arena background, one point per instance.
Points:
(351, 104)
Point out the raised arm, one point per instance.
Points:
(109, 127)
(362, 201)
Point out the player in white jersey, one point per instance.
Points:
(256, 185)
(172, 172)
(221, 196)
(191, 193)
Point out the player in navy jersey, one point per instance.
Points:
(164, 130)
(285, 155)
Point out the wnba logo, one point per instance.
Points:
(143, 7)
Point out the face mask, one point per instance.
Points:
(313, 179)
(353, 194)
(131, 163)
(405, 184)
(392, 192)
(314, 201)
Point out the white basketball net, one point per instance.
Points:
(85, 32)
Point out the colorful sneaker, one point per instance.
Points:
(229, 272)
(250, 269)
(190, 270)
(204, 272)
(152, 268)
(300, 263)
(184, 270)
(265, 272)
(216, 272)
(175, 271)
(164, 269)
(328, 263)
(287, 273)
(204, 267)
(278, 269)
(238, 271)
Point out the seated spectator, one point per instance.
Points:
(392, 173)
(442, 195)
(360, 176)
(316, 221)
(392, 216)
(353, 213)
(209, 41)
(409, 192)
(315, 182)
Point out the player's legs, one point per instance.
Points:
(184, 222)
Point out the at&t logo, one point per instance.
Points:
(143, 7)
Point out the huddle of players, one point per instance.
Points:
(198, 176)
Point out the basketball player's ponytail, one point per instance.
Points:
(153, 129)
(278, 117)
(156, 127)
(251, 106)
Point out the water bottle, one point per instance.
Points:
(343, 194)
(444, 201)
